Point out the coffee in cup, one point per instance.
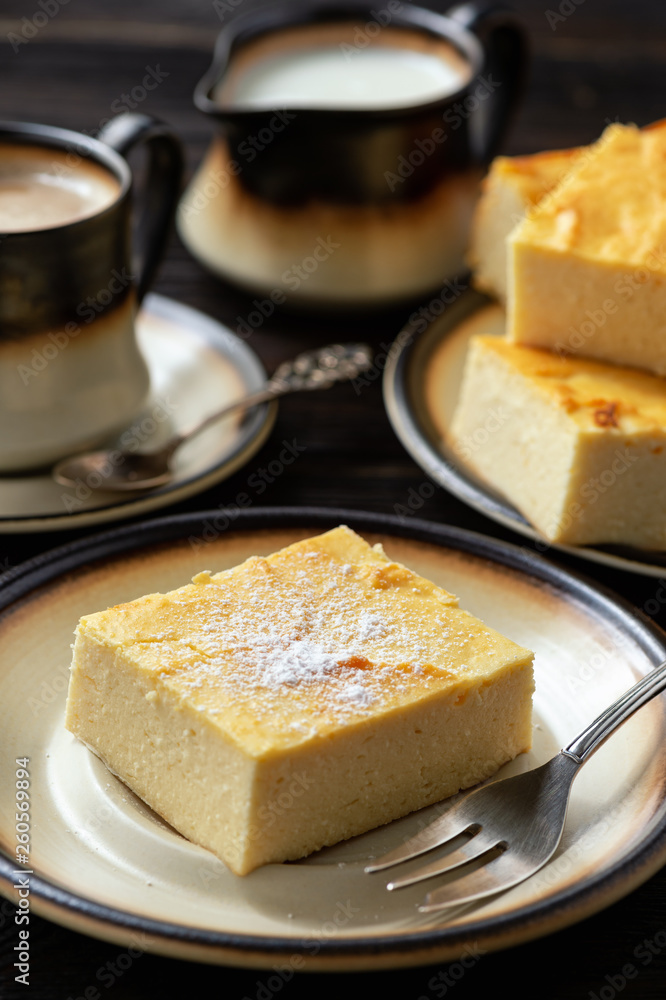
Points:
(40, 189)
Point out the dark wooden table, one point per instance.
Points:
(592, 61)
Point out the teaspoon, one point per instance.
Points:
(125, 470)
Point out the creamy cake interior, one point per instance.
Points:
(579, 447)
(587, 266)
(510, 190)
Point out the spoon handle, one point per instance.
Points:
(261, 396)
(317, 369)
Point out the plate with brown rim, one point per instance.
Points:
(421, 383)
(100, 862)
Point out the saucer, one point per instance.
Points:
(196, 365)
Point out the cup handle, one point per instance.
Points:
(504, 42)
(162, 190)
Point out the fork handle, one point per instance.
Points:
(591, 738)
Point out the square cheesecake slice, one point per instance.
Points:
(510, 190)
(577, 446)
(587, 267)
(297, 700)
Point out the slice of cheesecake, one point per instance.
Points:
(510, 190)
(587, 267)
(577, 446)
(297, 700)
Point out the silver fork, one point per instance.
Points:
(514, 824)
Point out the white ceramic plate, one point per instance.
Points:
(422, 380)
(102, 863)
(196, 365)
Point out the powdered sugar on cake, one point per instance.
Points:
(325, 636)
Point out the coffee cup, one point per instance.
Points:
(349, 147)
(72, 275)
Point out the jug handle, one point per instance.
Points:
(504, 42)
(162, 188)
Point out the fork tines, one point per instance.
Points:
(512, 827)
(443, 832)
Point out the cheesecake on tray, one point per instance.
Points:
(325, 675)
(572, 245)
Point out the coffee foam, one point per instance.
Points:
(40, 188)
(324, 66)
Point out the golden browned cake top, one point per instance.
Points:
(534, 175)
(597, 396)
(611, 206)
(323, 633)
